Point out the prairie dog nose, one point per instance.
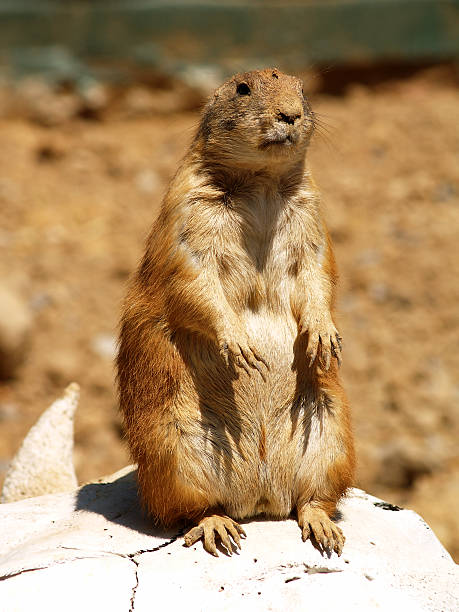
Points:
(289, 113)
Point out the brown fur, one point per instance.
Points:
(238, 271)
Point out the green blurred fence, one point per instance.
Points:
(64, 38)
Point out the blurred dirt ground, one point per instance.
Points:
(78, 193)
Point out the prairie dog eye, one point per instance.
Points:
(243, 89)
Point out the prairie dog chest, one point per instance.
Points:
(254, 244)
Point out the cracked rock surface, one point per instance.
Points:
(92, 549)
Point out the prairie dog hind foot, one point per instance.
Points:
(216, 525)
(316, 523)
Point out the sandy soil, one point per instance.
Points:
(77, 200)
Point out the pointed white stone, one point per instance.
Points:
(44, 462)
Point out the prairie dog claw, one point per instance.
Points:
(241, 352)
(323, 341)
(219, 525)
(316, 522)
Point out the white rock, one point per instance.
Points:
(95, 95)
(44, 104)
(205, 78)
(104, 345)
(147, 181)
(44, 462)
(93, 549)
(88, 591)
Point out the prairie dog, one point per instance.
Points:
(228, 356)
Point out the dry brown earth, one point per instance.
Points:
(76, 202)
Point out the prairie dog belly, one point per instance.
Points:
(274, 336)
(249, 434)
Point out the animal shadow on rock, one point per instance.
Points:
(119, 503)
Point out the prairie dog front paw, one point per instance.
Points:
(323, 339)
(235, 346)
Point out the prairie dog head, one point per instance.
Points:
(257, 120)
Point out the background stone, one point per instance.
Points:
(44, 462)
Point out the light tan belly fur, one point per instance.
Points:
(244, 440)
